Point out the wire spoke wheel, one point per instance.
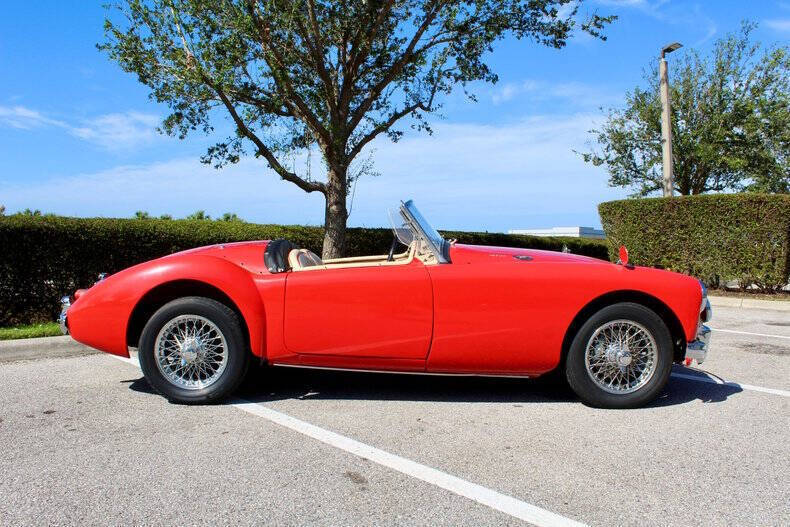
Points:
(621, 356)
(191, 352)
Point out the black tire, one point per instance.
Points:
(582, 382)
(223, 318)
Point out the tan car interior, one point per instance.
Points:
(306, 260)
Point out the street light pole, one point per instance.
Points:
(666, 119)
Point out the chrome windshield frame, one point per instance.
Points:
(422, 229)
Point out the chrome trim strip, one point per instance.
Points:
(329, 368)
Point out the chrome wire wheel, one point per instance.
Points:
(621, 356)
(191, 352)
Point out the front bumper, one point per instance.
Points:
(697, 349)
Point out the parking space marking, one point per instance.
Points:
(714, 380)
(483, 495)
(478, 493)
(752, 334)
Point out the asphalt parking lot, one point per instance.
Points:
(84, 441)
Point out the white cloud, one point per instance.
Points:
(577, 95)
(641, 4)
(669, 13)
(779, 24)
(465, 176)
(110, 131)
(26, 119)
(509, 90)
(119, 130)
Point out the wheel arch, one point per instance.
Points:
(166, 292)
(638, 297)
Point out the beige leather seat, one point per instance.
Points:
(299, 258)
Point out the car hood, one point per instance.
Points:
(491, 255)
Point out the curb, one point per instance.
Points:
(748, 303)
(42, 348)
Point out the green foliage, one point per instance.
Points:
(717, 238)
(2, 210)
(45, 329)
(229, 216)
(198, 215)
(329, 74)
(142, 215)
(45, 257)
(730, 123)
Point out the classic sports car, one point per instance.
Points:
(200, 316)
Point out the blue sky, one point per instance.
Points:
(77, 134)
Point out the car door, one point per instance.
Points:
(381, 311)
(492, 319)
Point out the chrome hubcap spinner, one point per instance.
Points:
(621, 356)
(191, 352)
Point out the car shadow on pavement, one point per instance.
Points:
(270, 384)
(681, 390)
(139, 385)
(264, 384)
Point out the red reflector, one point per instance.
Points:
(623, 255)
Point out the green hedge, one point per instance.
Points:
(718, 238)
(42, 257)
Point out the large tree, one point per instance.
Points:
(329, 74)
(730, 123)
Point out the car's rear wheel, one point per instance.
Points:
(192, 350)
(620, 358)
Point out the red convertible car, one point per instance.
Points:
(199, 317)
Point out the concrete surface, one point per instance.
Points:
(749, 303)
(86, 442)
(36, 348)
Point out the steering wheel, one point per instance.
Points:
(391, 255)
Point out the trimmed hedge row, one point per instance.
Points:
(42, 257)
(717, 238)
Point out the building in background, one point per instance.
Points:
(572, 232)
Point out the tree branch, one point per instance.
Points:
(315, 47)
(282, 79)
(395, 117)
(357, 53)
(307, 186)
(394, 70)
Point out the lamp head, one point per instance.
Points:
(669, 48)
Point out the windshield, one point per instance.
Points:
(402, 231)
(423, 230)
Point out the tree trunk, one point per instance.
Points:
(335, 215)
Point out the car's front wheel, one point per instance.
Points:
(620, 358)
(192, 350)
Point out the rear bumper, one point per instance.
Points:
(65, 304)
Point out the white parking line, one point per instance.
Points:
(483, 495)
(752, 334)
(131, 360)
(713, 380)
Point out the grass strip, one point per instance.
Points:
(46, 329)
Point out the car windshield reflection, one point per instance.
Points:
(421, 230)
